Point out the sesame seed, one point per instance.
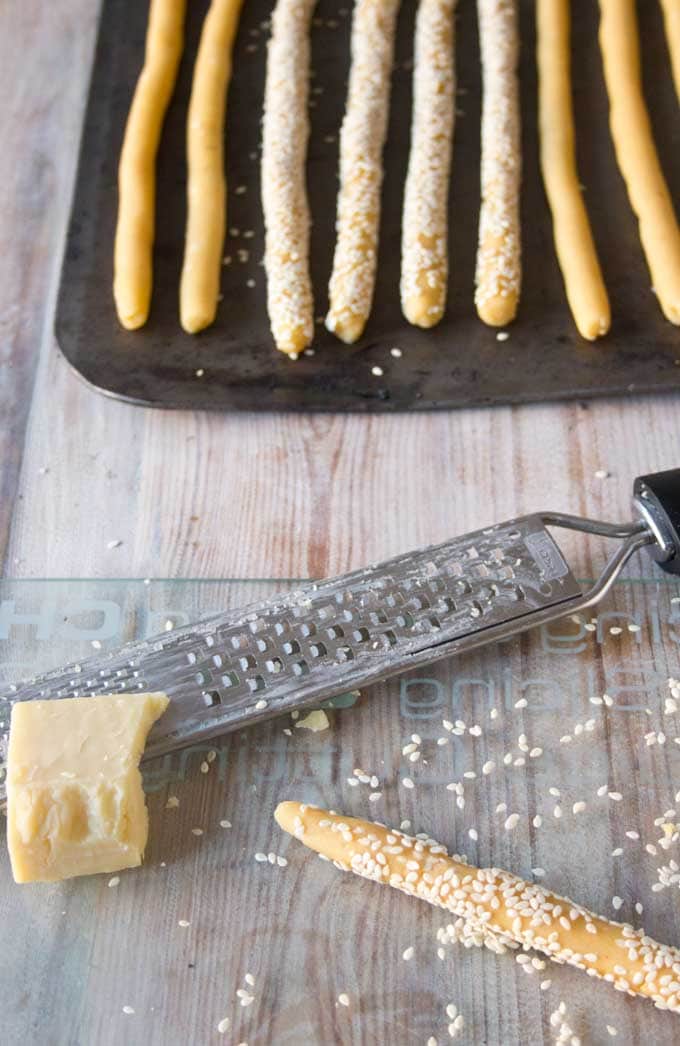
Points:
(611, 1030)
(617, 902)
(205, 767)
(114, 880)
(489, 765)
(397, 353)
(537, 821)
(225, 824)
(223, 1025)
(183, 923)
(260, 857)
(511, 822)
(128, 1009)
(259, 705)
(578, 807)
(502, 336)
(407, 782)
(408, 953)
(343, 999)
(377, 371)
(472, 832)
(197, 831)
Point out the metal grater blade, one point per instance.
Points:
(326, 638)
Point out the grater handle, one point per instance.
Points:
(657, 499)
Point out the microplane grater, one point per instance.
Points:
(329, 637)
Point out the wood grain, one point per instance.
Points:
(192, 495)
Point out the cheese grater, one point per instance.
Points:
(333, 636)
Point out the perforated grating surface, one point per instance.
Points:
(321, 640)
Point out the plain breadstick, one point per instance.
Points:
(284, 195)
(499, 273)
(206, 182)
(424, 237)
(361, 144)
(671, 17)
(574, 244)
(135, 227)
(501, 909)
(636, 154)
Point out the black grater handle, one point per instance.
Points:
(657, 497)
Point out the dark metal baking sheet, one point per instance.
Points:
(458, 363)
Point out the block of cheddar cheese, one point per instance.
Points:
(75, 803)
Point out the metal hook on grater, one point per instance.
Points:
(328, 637)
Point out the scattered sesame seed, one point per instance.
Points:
(225, 824)
(197, 831)
(260, 857)
(343, 999)
(502, 336)
(377, 371)
(128, 1009)
(472, 832)
(114, 880)
(116, 543)
(407, 782)
(223, 1025)
(260, 705)
(200, 372)
(578, 807)
(397, 353)
(172, 802)
(183, 923)
(617, 902)
(612, 1030)
(601, 474)
(408, 953)
(205, 767)
(511, 822)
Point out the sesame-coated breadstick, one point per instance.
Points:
(206, 182)
(135, 227)
(635, 152)
(361, 144)
(574, 244)
(284, 195)
(500, 909)
(424, 237)
(499, 274)
(671, 17)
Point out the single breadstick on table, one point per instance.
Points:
(574, 244)
(635, 152)
(500, 909)
(361, 144)
(671, 17)
(424, 235)
(284, 195)
(499, 274)
(206, 182)
(135, 227)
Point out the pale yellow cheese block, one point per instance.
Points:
(75, 803)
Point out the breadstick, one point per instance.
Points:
(424, 246)
(284, 195)
(500, 908)
(635, 152)
(586, 292)
(361, 144)
(135, 227)
(499, 274)
(671, 17)
(206, 182)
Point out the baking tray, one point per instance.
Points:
(233, 365)
(81, 951)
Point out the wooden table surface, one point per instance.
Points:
(198, 495)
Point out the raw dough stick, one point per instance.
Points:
(132, 254)
(424, 237)
(574, 244)
(361, 144)
(499, 272)
(284, 195)
(206, 182)
(671, 16)
(498, 908)
(636, 154)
